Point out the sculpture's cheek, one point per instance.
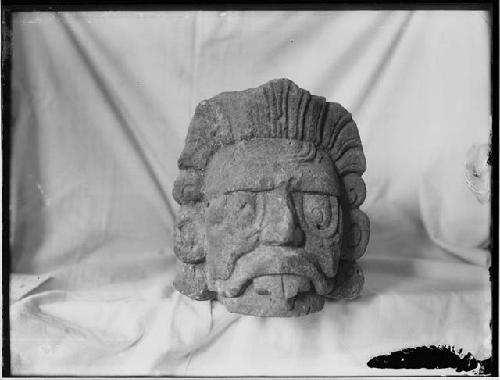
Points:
(232, 230)
(223, 252)
(215, 214)
(324, 252)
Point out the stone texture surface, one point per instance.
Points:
(270, 187)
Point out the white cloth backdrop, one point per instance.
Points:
(101, 106)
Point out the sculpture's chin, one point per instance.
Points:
(277, 295)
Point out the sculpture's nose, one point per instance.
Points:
(280, 225)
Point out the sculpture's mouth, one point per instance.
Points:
(281, 271)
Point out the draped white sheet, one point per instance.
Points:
(101, 105)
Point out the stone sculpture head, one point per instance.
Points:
(269, 187)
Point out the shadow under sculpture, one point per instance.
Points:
(270, 187)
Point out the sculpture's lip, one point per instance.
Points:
(268, 261)
(264, 297)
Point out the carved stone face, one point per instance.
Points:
(272, 226)
(269, 188)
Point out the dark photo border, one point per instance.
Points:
(9, 7)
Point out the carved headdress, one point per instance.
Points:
(277, 109)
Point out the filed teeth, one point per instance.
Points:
(264, 286)
(262, 292)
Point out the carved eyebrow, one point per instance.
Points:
(246, 190)
(253, 190)
(315, 192)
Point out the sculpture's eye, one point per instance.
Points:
(240, 208)
(317, 210)
(216, 211)
(320, 212)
